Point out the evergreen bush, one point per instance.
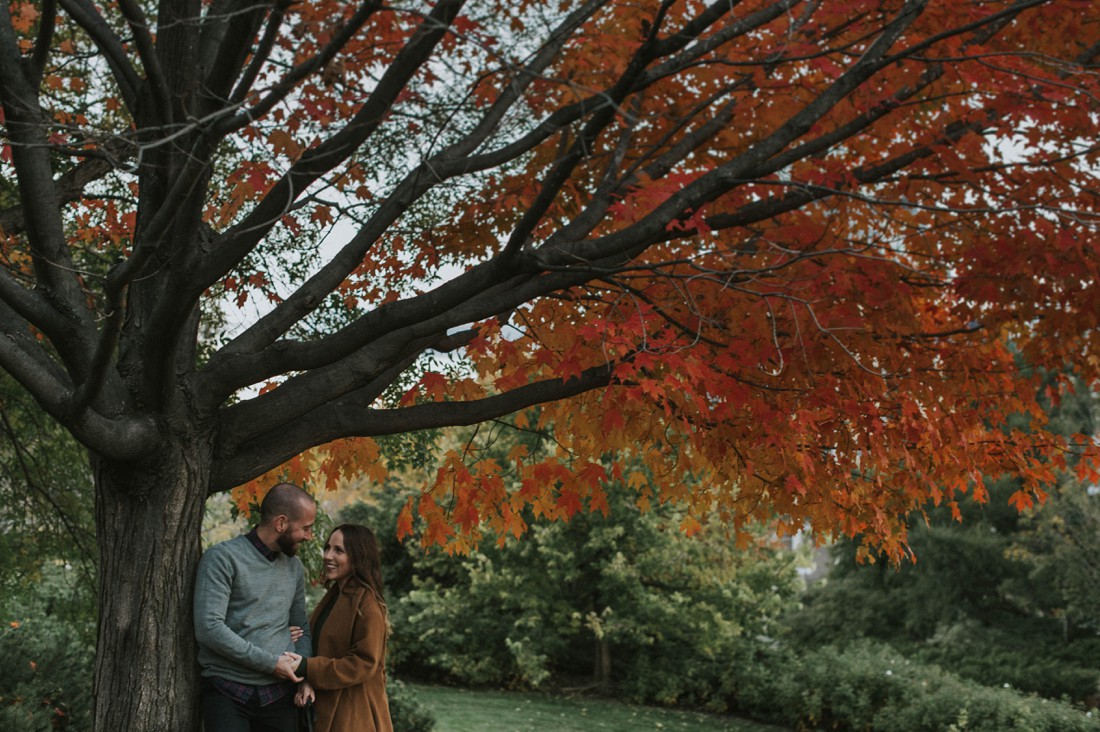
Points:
(406, 711)
(45, 677)
(871, 687)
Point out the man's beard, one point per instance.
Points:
(288, 547)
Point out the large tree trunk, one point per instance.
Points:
(149, 521)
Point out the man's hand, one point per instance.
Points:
(287, 665)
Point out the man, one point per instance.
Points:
(248, 593)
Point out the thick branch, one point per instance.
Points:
(261, 54)
(553, 182)
(23, 357)
(225, 43)
(143, 39)
(41, 52)
(70, 185)
(87, 17)
(447, 164)
(37, 192)
(241, 239)
(352, 419)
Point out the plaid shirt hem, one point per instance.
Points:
(242, 693)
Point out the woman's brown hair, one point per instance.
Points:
(362, 549)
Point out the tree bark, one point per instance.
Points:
(149, 523)
(601, 670)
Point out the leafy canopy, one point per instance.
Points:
(778, 247)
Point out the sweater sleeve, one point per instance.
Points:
(213, 587)
(364, 659)
(299, 616)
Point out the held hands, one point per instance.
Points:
(287, 665)
(305, 694)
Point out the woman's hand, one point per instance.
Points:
(296, 633)
(286, 666)
(305, 694)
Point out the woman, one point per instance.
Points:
(346, 679)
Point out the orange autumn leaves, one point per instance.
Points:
(840, 362)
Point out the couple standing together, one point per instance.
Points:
(261, 657)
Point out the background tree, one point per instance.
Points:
(47, 570)
(46, 492)
(622, 604)
(1000, 595)
(775, 244)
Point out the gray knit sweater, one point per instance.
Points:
(244, 607)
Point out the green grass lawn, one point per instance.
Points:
(463, 710)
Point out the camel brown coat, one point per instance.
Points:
(349, 671)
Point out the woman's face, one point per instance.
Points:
(337, 561)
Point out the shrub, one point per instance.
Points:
(406, 711)
(1027, 655)
(870, 686)
(624, 603)
(45, 677)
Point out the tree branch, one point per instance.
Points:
(87, 17)
(36, 64)
(143, 39)
(353, 419)
(315, 162)
(448, 163)
(23, 357)
(225, 43)
(38, 194)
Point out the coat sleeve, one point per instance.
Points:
(364, 659)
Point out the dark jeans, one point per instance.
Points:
(222, 714)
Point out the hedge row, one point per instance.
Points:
(869, 686)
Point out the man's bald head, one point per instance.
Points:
(287, 515)
(285, 499)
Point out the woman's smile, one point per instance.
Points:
(337, 564)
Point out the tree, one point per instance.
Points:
(1056, 543)
(623, 603)
(45, 488)
(997, 595)
(778, 245)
